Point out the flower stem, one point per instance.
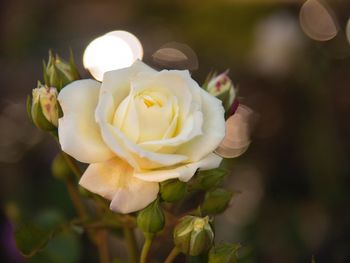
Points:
(72, 165)
(173, 254)
(76, 199)
(131, 244)
(102, 245)
(146, 247)
(99, 237)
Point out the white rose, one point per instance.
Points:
(137, 128)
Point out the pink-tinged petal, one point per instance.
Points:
(237, 138)
(79, 134)
(114, 181)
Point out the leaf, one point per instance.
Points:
(224, 253)
(30, 239)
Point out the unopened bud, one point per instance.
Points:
(206, 180)
(172, 190)
(221, 87)
(151, 219)
(193, 235)
(58, 73)
(44, 110)
(224, 253)
(216, 201)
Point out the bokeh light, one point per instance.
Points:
(348, 30)
(318, 21)
(114, 50)
(175, 55)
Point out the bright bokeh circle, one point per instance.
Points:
(114, 50)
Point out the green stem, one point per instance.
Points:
(102, 245)
(76, 199)
(131, 244)
(146, 247)
(72, 165)
(173, 254)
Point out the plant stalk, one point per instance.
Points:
(172, 255)
(131, 244)
(146, 247)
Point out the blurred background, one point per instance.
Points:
(289, 59)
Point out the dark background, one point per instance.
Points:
(295, 177)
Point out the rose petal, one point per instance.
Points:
(117, 82)
(183, 172)
(114, 180)
(126, 149)
(79, 134)
(213, 129)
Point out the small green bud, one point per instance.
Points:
(151, 219)
(58, 73)
(59, 168)
(193, 235)
(44, 110)
(224, 253)
(216, 201)
(173, 190)
(221, 87)
(206, 180)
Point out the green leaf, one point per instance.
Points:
(30, 239)
(224, 253)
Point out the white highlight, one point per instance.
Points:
(114, 50)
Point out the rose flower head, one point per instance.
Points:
(137, 128)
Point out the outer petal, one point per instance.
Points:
(114, 180)
(79, 134)
(213, 129)
(183, 172)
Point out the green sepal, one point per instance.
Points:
(39, 119)
(193, 235)
(73, 66)
(29, 107)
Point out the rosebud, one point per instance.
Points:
(224, 253)
(172, 190)
(151, 219)
(59, 168)
(58, 73)
(44, 110)
(206, 180)
(193, 235)
(216, 201)
(221, 87)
